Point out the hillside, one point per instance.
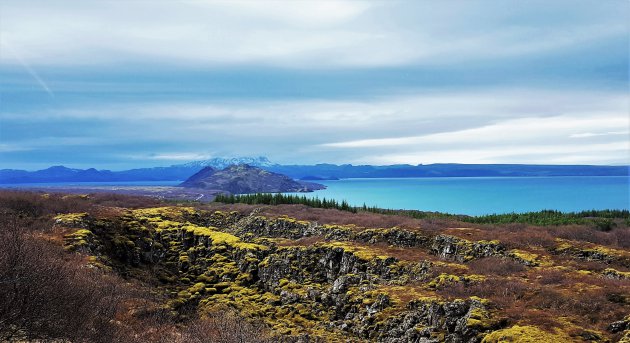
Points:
(292, 273)
(243, 178)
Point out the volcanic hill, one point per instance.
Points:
(243, 178)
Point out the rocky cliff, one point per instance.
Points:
(312, 282)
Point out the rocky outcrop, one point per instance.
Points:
(437, 321)
(615, 274)
(335, 289)
(592, 252)
(243, 179)
(459, 249)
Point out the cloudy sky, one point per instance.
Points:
(121, 84)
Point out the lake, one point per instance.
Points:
(460, 195)
(484, 195)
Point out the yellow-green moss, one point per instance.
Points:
(287, 219)
(526, 334)
(480, 319)
(157, 214)
(222, 238)
(563, 246)
(363, 252)
(444, 280)
(77, 239)
(70, 219)
(403, 294)
(70, 216)
(528, 258)
(611, 272)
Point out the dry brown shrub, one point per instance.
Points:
(622, 237)
(502, 292)
(529, 316)
(495, 266)
(122, 200)
(38, 204)
(224, 327)
(585, 234)
(551, 277)
(157, 326)
(529, 238)
(46, 293)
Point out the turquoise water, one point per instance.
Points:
(460, 195)
(483, 195)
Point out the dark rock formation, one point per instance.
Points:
(339, 291)
(243, 179)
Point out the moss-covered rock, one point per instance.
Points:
(346, 283)
(459, 249)
(592, 252)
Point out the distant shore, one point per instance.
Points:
(158, 192)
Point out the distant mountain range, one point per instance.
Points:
(173, 173)
(243, 178)
(312, 172)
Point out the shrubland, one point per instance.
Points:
(90, 268)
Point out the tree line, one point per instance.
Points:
(600, 218)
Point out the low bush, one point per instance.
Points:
(495, 266)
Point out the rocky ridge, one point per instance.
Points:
(309, 282)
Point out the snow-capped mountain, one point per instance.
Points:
(221, 163)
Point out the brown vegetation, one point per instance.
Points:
(47, 294)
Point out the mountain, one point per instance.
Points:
(56, 174)
(243, 178)
(222, 163)
(311, 172)
(175, 172)
(332, 171)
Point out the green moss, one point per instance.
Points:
(288, 219)
(480, 319)
(445, 280)
(590, 251)
(480, 300)
(526, 334)
(222, 238)
(197, 288)
(616, 274)
(71, 216)
(205, 267)
(123, 241)
(526, 257)
(71, 219)
(78, 239)
(362, 252)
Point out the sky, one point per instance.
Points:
(124, 84)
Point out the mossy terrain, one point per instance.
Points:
(345, 282)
